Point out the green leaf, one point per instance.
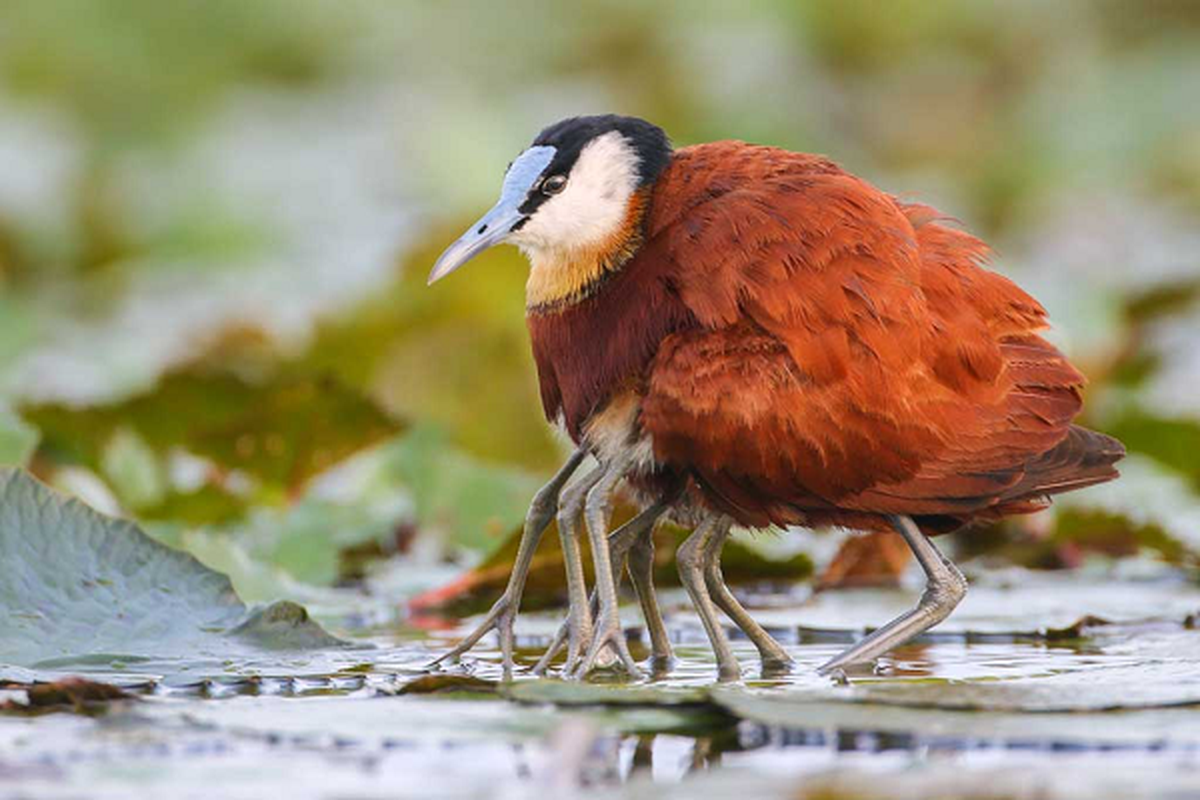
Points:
(1159, 505)
(474, 503)
(248, 440)
(18, 439)
(133, 470)
(81, 588)
(1172, 442)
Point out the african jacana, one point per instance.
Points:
(782, 342)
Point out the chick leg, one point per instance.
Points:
(945, 588)
(691, 558)
(609, 633)
(773, 656)
(579, 615)
(503, 613)
(641, 574)
(620, 543)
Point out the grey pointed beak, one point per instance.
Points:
(495, 226)
(491, 229)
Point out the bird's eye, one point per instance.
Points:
(554, 184)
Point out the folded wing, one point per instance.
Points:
(852, 356)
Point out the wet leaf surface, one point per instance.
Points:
(252, 194)
(69, 694)
(1013, 684)
(449, 684)
(83, 589)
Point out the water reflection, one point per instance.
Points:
(670, 758)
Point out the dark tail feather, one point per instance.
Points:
(1084, 458)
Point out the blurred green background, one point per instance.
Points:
(216, 217)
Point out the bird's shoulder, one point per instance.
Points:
(804, 249)
(850, 348)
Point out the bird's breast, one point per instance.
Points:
(590, 352)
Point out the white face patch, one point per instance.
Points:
(592, 207)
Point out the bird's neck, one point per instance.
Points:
(560, 277)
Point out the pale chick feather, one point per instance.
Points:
(615, 432)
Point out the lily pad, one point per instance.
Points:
(82, 589)
(1001, 605)
(1150, 727)
(70, 694)
(575, 693)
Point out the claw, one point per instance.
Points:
(556, 646)
(579, 639)
(500, 618)
(608, 635)
(503, 614)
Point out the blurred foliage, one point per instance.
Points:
(477, 590)
(314, 407)
(457, 356)
(228, 435)
(135, 70)
(17, 438)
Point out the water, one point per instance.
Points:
(1004, 701)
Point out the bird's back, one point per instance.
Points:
(809, 350)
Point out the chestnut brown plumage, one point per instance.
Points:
(795, 346)
(812, 351)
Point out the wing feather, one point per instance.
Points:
(851, 352)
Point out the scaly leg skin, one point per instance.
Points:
(503, 613)
(691, 557)
(620, 542)
(609, 633)
(641, 574)
(579, 615)
(774, 658)
(945, 588)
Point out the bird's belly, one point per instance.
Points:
(615, 434)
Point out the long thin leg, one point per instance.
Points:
(641, 574)
(691, 559)
(579, 615)
(503, 613)
(609, 633)
(945, 588)
(620, 542)
(774, 657)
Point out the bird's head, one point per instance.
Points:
(573, 201)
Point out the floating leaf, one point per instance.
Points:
(449, 684)
(69, 694)
(578, 693)
(84, 589)
(935, 726)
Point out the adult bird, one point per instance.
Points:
(765, 339)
